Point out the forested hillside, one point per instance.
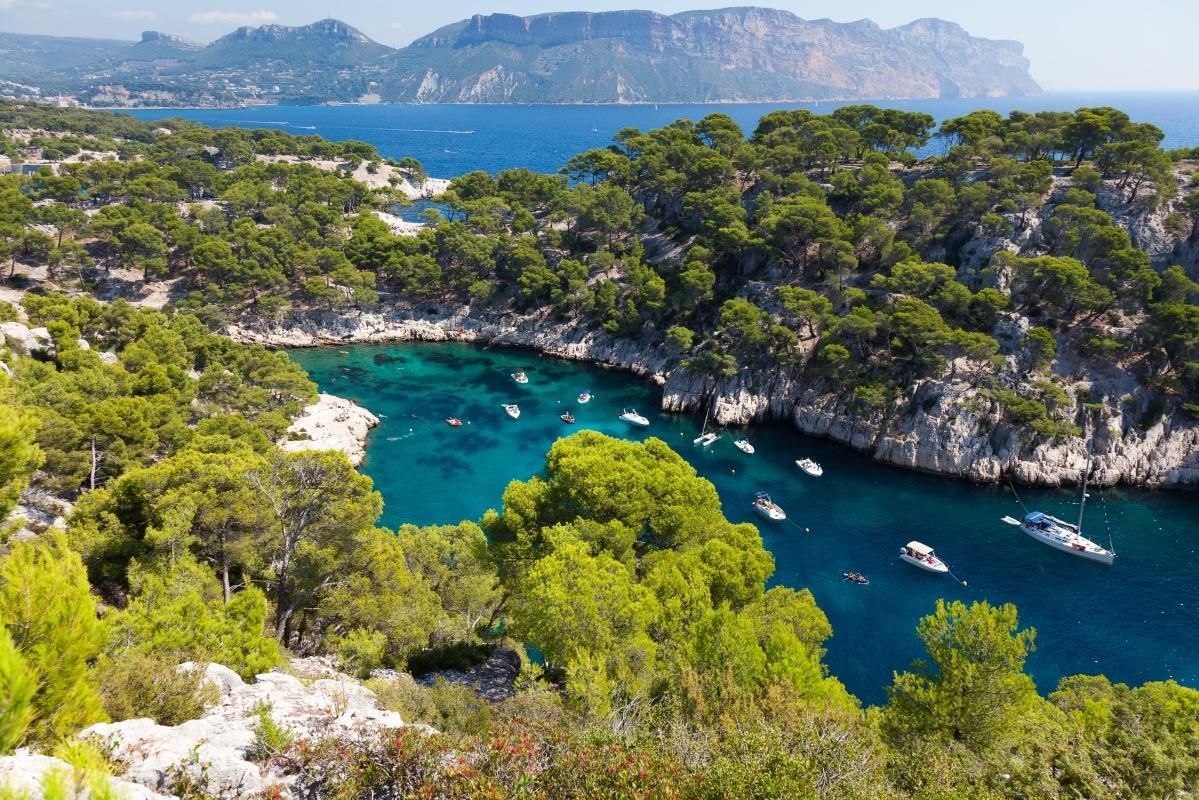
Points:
(818, 250)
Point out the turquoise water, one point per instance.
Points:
(1136, 621)
(452, 139)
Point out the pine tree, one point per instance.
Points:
(48, 610)
(17, 686)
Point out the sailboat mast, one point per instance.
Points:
(1083, 504)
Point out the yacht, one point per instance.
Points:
(631, 416)
(520, 377)
(744, 446)
(766, 508)
(512, 410)
(921, 555)
(811, 467)
(1062, 535)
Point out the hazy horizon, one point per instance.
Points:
(1072, 45)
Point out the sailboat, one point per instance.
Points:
(1062, 535)
(706, 437)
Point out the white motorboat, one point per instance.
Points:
(767, 508)
(706, 439)
(744, 446)
(921, 555)
(584, 397)
(811, 467)
(1061, 535)
(512, 410)
(631, 416)
(520, 377)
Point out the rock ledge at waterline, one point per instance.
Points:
(943, 426)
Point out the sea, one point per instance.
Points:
(451, 140)
(1135, 621)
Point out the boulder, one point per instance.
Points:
(217, 749)
(23, 774)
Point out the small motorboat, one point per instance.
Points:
(584, 397)
(811, 467)
(706, 439)
(921, 555)
(454, 422)
(568, 418)
(512, 410)
(766, 508)
(856, 577)
(520, 377)
(744, 446)
(631, 416)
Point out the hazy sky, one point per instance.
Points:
(1073, 44)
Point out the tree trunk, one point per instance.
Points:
(92, 476)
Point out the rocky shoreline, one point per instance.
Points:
(332, 423)
(946, 427)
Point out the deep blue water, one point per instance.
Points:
(1135, 621)
(453, 139)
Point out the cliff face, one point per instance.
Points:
(739, 54)
(736, 54)
(944, 426)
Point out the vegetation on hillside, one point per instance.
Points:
(669, 669)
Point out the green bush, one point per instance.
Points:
(135, 684)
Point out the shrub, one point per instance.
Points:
(448, 707)
(134, 685)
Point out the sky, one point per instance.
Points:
(1110, 45)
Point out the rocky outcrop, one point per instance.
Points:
(944, 426)
(332, 423)
(218, 751)
(27, 775)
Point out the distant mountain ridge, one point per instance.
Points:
(729, 55)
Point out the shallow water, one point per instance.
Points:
(453, 139)
(1135, 621)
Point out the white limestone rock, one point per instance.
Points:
(217, 747)
(332, 423)
(24, 775)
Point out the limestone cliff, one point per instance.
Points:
(732, 54)
(944, 426)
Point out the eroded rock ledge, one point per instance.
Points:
(944, 426)
(332, 423)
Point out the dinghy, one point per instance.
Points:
(584, 397)
(921, 555)
(766, 508)
(856, 577)
(454, 422)
(631, 416)
(512, 410)
(568, 418)
(744, 446)
(811, 467)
